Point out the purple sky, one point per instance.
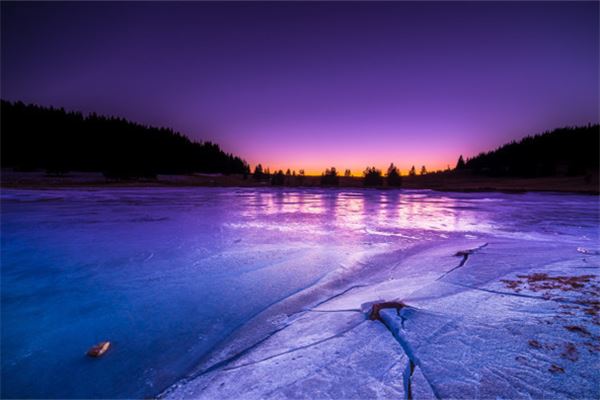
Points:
(310, 85)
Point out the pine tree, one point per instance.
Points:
(258, 172)
(330, 177)
(372, 177)
(278, 178)
(461, 163)
(393, 176)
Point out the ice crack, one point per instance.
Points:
(339, 334)
(413, 363)
(465, 256)
(408, 373)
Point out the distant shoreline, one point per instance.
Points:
(448, 182)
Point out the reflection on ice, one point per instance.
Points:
(360, 210)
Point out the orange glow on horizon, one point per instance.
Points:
(357, 171)
(315, 161)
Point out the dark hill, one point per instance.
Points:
(565, 151)
(34, 137)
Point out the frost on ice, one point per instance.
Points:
(495, 317)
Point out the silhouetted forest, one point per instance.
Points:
(565, 151)
(372, 177)
(330, 177)
(58, 141)
(278, 178)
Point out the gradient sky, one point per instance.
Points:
(310, 85)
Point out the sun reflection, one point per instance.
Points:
(393, 213)
(351, 211)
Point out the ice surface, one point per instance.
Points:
(328, 359)
(488, 315)
(265, 294)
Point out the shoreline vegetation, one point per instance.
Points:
(45, 147)
(447, 182)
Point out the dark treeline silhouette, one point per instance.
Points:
(58, 141)
(460, 164)
(330, 177)
(565, 151)
(35, 137)
(259, 174)
(393, 176)
(278, 178)
(372, 177)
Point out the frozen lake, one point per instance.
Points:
(187, 282)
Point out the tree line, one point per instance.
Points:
(35, 137)
(570, 151)
(567, 151)
(330, 177)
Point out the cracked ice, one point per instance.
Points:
(504, 312)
